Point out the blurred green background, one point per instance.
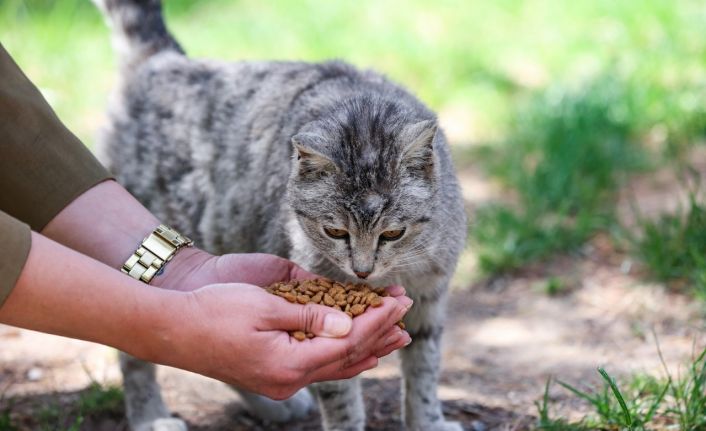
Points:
(559, 103)
(475, 60)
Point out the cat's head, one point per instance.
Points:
(363, 184)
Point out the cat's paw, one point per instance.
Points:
(446, 426)
(438, 426)
(298, 406)
(163, 424)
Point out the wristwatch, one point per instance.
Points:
(154, 252)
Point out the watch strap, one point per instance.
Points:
(154, 252)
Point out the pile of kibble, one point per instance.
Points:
(353, 299)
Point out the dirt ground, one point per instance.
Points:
(504, 338)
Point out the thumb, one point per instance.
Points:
(318, 319)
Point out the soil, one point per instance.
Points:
(505, 337)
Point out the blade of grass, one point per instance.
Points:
(618, 396)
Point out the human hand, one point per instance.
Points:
(240, 329)
(192, 268)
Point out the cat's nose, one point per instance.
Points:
(362, 274)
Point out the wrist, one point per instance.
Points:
(159, 326)
(185, 270)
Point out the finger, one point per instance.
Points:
(394, 342)
(334, 372)
(259, 269)
(370, 328)
(396, 290)
(318, 319)
(296, 272)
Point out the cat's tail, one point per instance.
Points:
(138, 30)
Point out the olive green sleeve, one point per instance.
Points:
(43, 166)
(15, 242)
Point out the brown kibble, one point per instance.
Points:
(317, 298)
(401, 325)
(350, 298)
(357, 309)
(328, 300)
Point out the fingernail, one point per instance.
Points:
(408, 342)
(406, 302)
(393, 338)
(336, 325)
(396, 289)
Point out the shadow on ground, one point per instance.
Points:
(59, 410)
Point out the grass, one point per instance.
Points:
(567, 153)
(641, 403)
(565, 158)
(673, 246)
(515, 47)
(96, 401)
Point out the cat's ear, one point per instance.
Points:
(417, 154)
(310, 160)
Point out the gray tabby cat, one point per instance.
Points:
(308, 161)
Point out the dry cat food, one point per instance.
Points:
(353, 299)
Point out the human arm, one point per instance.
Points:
(231, 332)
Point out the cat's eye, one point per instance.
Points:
(392, 235)
(336, 233)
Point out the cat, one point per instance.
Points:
(312, 162)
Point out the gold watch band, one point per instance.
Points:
(154, 252)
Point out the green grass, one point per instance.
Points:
(673, 246)
(6, 422)
(99, 399)
(478, 57)
(96, 401)
(568, 151)
(565, 158)
(642, 403)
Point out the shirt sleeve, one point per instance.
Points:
(43, 166)
(16, 241)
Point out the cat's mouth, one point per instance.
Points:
(370, 276)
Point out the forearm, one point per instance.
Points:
(107, 223)
(65, 293)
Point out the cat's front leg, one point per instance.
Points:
(421, 362)
(341, 405)
(144, 407)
